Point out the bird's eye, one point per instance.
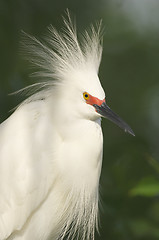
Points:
(86, 95)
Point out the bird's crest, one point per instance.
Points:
(62, 53)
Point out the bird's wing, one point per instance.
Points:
(26, 163)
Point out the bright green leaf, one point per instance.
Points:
(148, 187)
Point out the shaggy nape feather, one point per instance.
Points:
(59, 54)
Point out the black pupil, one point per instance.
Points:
(86, 95)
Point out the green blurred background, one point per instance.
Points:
(130, 76)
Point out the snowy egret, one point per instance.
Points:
(51, 146)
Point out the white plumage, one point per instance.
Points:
(51, 146)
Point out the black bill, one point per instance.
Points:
(106, 112)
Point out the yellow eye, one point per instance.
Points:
(86, 95)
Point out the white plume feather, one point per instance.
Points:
(60, 54)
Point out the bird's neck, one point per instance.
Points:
(82, 148)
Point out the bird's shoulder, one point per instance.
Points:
(26, 159)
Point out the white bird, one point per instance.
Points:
(51, 147)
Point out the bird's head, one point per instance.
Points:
(72, 66)
(86, 97)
